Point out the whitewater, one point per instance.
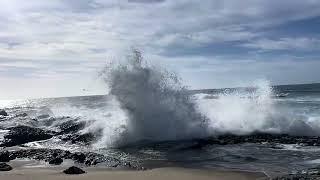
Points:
(149, 116)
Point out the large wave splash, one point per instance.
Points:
(157, 106)
(150, 103)
(242, 111)
(255, 110)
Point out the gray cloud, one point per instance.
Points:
(54, 36)
(297, 44)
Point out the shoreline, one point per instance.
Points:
(55, 173)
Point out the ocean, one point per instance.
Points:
(149, 118)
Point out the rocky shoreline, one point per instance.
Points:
(27, 129)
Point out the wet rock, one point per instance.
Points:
(74, 170)
(71, 126)
(23, 134)
(79, 157)
(94, 158)
(3, 113)
(87, 158)
(4, 156)
(22, 115)
(5, 167)
(56, 161)
(309, 174)
(43, 116)
(272, 139)
(39, 154)
(86, 138)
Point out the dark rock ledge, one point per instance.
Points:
(24, 134)
(309, 174)
(56, 156)
(3, 112)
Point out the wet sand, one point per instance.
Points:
(35, 170)
(155, 174)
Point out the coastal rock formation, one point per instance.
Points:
(3, 113)
(86, 138)
(56, 156)
(4, 156)
(5, 167)
(257, 138)
(71, 126)
(309, 174)
(74, 170)
(23, 134)
(79, 157)
(56, 161)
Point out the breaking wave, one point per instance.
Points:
(156, 105)
(150, 103)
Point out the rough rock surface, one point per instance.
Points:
(259, 138)
(86, 138)
(309, 174)
(74, 170)
(87, 158)
(23, 134)
(56, 161)
(3, 113)
(5, 167)
(71, 126)
(4, 156)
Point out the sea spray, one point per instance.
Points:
(156, 105)
(150, 103)
(242, 110)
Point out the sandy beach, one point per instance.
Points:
(155, 174)
(33, 170)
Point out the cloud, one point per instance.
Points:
(55, 39)
(295, 44)
(75, 29)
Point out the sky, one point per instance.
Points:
(58, 47)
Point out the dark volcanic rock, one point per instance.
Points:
(71, 126)
(79, 157)
(5, 167)
(22, 115)
(74, 170)
(43, 116)
(86, 138)
(23, 134)
(56, 161)
(87, 158)
(263, 138)
(4, 156)
(309, 174)
(41, 154)
(3, 113)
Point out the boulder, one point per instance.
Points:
(5, 167)
(79, 157)
(3, 113)
(4, 156)
(24, 134)
(56, 161)
(74, 170)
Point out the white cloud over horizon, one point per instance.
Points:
(212, 43)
